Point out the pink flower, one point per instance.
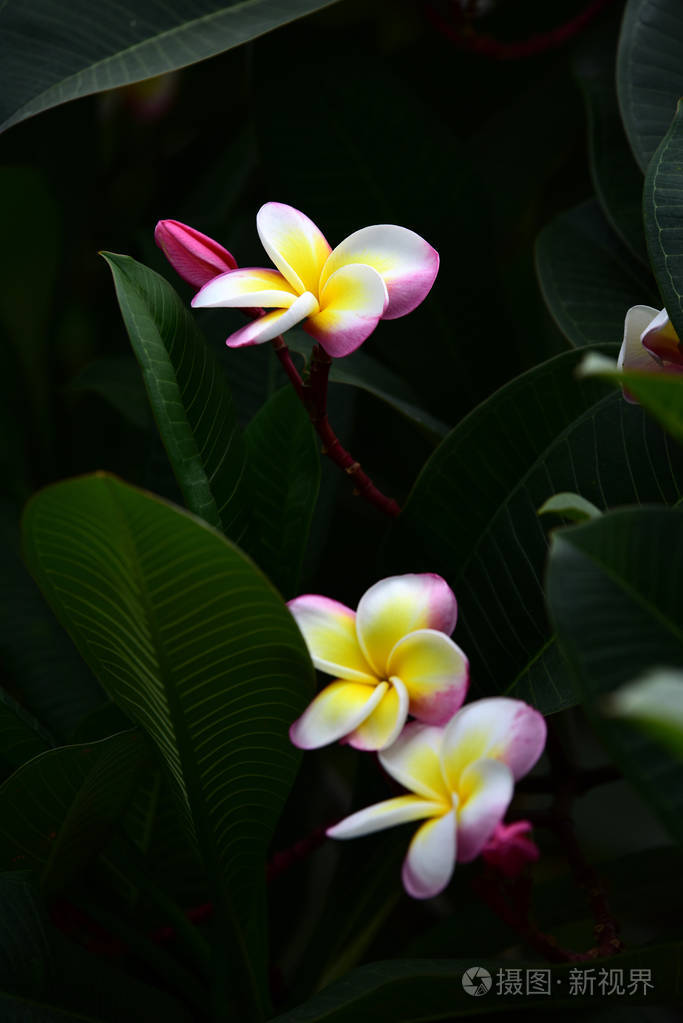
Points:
(650, 343)
(509, 849)
(338, 295)
(193, 255)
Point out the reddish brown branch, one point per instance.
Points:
(462, 32)
(313, 394)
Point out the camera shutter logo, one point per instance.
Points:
(476, 981)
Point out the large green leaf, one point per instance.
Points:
(21, 736)
(588, 277)
(472, 514)
(649, 71)
(56, 810)
(412, 990)
(41, 666)
(663, 206)
(189, 396)
(660, 393)
(616, 598)
(194, 644)
(51, 53)
(284, 472)
(617, 179)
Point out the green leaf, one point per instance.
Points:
(413, 990)
(616, 177)
(570, 506)
(663, 206)
(51, 54)
(655, 702)
(194, 644)
(284, 472)
(649, 71)
(41, 665)
(471, 515)
(21, 736)
(587, 276)
(616, 597)
(57, 809)
(189, 395)
(659, 392)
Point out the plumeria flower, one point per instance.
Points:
(460, 778)
(650, 343)
(193, 255)
(391, 657)
(338, 295)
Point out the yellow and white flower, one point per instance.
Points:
(391, 657)
(338, 295)
(650, 343)
(460, 778)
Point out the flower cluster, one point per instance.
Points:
(394, 657)
(337, 295)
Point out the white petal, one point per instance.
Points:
(429, 865)
(267, 327)
(383, 726)
(329, 629)
(294, 243)
(384, 815)
(407, 263)
(337, 710)
(632, 354)
(497, 727)
(435, 672)
(246, 288)
(393, 607)
(413, 761)
(485, 792)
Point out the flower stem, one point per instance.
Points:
(313, 396)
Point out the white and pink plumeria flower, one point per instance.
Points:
(391, 657)
(650, 343)
(460, 778)
(338, 295)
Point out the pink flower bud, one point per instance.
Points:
(193, 255)
(509, 848)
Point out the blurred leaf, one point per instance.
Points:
(42, 668)
(649, 72)
(616, 176)
(118, 381)
(659, 392)
(21, 736)
(362, 371)
(587, 276)
(412, 990)
(616, 597)
(663, 207)
(471, 515)
(189, 395)
(23, 1010)
(51, 54)
(655, 703)
(571, 506)
(25, 953)
(56, 810)
(195, 645)
(284, 473)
